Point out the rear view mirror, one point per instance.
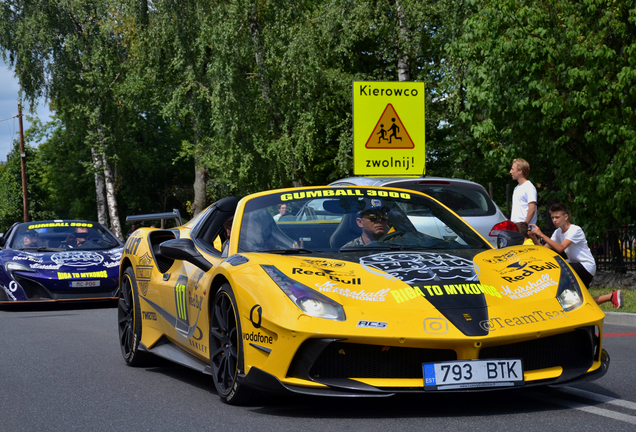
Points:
(184, 250)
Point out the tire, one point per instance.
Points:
(226, 349)
(129, 320)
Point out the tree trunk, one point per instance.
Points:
(200, 172)
(100, 188)
(403, 56)
(113, 212)
(261, 71)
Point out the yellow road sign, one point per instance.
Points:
(388, 128)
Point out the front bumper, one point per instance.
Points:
(36, 290)
(333, 367)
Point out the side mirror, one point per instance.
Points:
(183, 249)
(509, 238)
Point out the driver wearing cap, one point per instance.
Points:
(374, 223)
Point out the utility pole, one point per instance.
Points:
(25, 201)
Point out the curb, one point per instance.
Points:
(620, 318)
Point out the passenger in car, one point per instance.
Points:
(282, 211)
(30, 239)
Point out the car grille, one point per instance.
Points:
(348, 360)
(568, 350)
(338, 359)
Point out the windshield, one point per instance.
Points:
(62, 235)
(351, 219)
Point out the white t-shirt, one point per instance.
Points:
(523, 195)
(578, 251)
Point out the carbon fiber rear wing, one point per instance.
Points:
(174, 214)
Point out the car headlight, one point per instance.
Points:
(569, 293)
(12, 266)
(308, 300)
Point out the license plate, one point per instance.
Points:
(472, 374)
(84, 284)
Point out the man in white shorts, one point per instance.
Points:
(571, 239)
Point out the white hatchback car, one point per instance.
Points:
(468, 199)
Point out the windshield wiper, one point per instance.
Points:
(39, 249)
(287, 251)
(371, 248)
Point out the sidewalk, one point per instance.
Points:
(620, 318)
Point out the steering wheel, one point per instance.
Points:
(390, 236)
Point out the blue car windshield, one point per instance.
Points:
(348, 219)
(62, 235)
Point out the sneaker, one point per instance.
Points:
(617, 299)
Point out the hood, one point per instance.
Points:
(447, 281)
(477, 291)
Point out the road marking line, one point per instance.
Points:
(595, 397)
(591, 409)
(598, 397)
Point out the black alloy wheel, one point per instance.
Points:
(129, 319)
(226, 351)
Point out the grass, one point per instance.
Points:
(629, 295)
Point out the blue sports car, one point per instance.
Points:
(58, 260)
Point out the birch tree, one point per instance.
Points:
(67, 52)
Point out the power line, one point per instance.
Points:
(9, 118)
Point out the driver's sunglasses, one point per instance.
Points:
(81, 235)
(376, 217)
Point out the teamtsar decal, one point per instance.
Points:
(521, 320)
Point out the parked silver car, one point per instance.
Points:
(468, 199)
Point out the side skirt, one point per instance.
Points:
(165, 349)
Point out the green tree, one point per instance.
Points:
(553, 82)
(69, 52)
(11, 206)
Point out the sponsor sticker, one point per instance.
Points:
(77, 259)
(372, 324)
(531, 288)
(415, 268)
(332, 287)
(535, 317)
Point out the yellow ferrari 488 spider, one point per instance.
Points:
(344, 291)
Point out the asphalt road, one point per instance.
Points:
(61, 370)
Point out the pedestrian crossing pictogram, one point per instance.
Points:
(389, 132)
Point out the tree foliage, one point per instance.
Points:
(554, 82)
(172, 102)
(11, 205)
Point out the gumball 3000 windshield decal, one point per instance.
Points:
(413, 268)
